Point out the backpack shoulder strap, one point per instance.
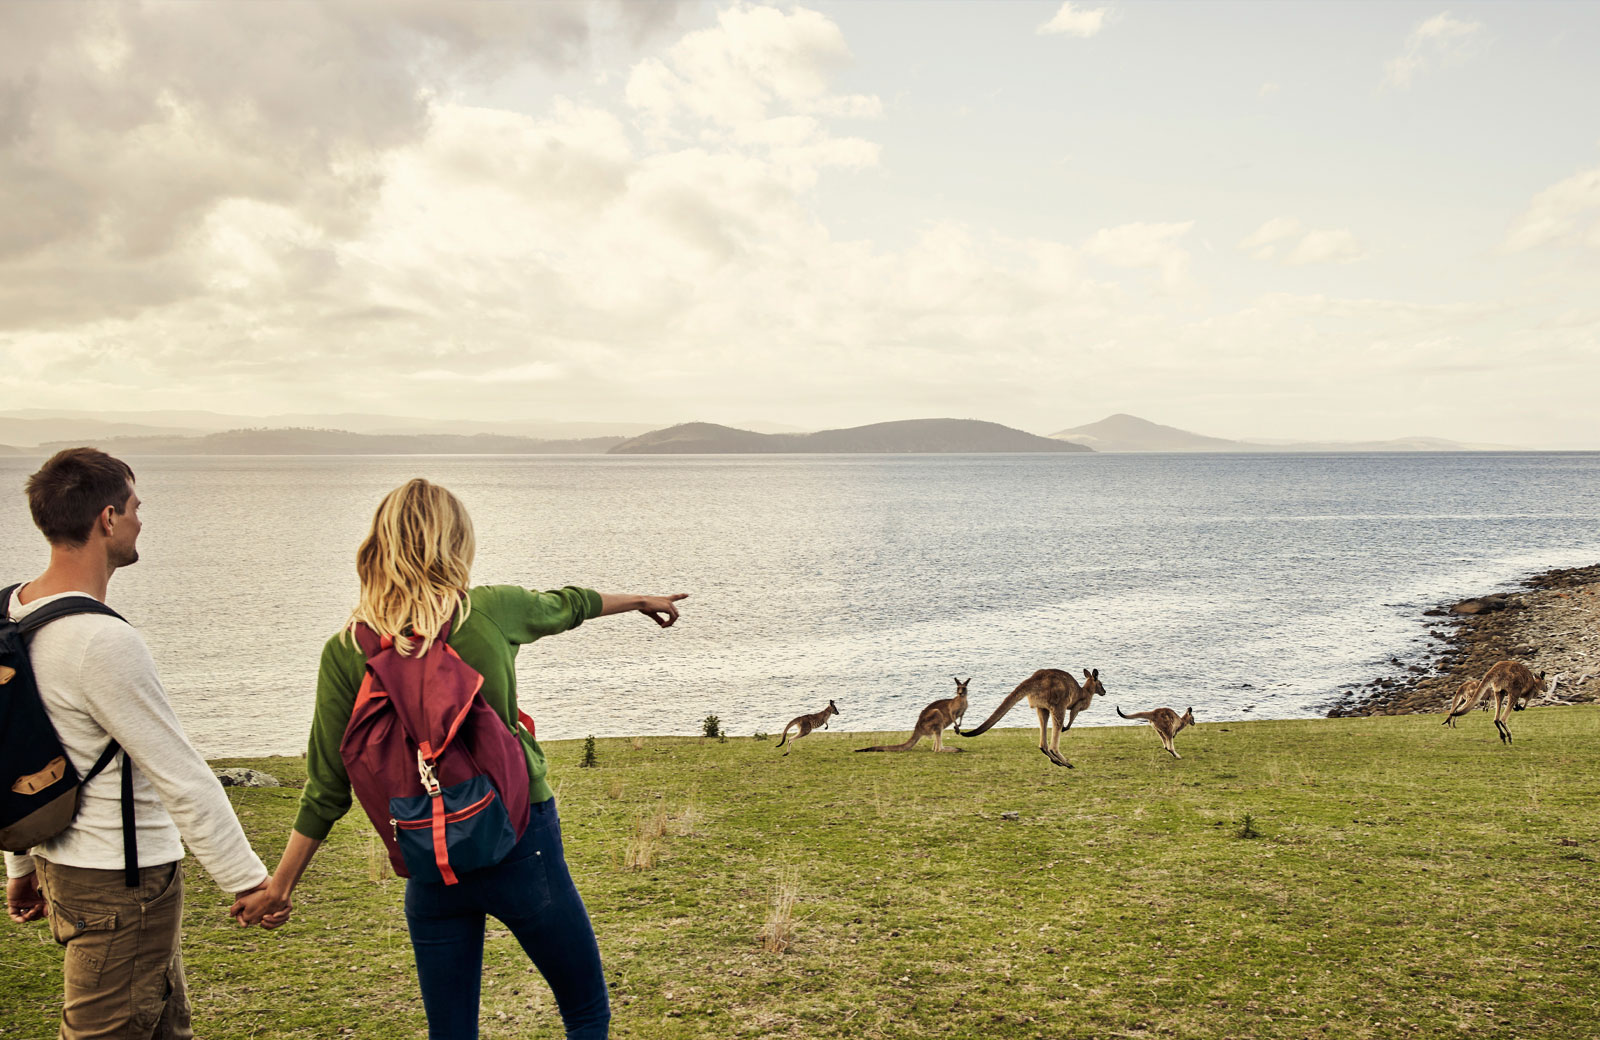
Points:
(59, 609)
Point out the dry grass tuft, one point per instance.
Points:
(645, 844)
(614, 788)
(779, 930)
(377, 858)
(638, 743)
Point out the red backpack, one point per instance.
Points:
(441, 776)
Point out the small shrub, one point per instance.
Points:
(590, 760)
(759, 736)
(1247, 827)
(711, 727)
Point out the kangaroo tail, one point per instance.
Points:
(999, 713)
(907, 746)
(1119, 712)
(785, 738)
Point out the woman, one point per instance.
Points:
(413, 567)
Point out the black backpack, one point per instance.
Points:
(38, 784)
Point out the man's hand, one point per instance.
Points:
(260, 906)
(24, 902)
(661, 609)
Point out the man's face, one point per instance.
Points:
(125, 526)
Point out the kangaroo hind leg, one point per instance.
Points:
(1055, 740)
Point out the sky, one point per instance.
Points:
(1250, 220)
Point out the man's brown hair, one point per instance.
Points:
(72, 489)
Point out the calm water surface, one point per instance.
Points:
(1245, 585)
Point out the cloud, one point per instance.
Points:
(1442, 40)
(1144, 245)
(753, 61)
(1072, 20)
(127, 125)
(1566, 212)
(1290, 242)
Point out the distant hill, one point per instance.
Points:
(911, 436)
(38, 426)
(341, 442)
(1130, 433)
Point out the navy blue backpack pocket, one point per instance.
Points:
(462, 828)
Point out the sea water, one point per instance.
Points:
(1247, 586)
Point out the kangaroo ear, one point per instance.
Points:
(1097, 673)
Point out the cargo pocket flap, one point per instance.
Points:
(67, 923)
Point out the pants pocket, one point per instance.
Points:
(87, 934)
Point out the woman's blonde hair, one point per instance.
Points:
(414, 565)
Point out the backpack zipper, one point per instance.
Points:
(452, 817)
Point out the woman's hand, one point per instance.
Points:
(660, 609)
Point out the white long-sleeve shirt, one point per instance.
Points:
(98, 682)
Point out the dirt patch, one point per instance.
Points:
(1551, 623)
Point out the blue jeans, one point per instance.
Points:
(531, 892)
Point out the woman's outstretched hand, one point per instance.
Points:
(662, 609)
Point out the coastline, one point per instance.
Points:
(1550, 621)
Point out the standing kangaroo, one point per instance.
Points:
(1511, 683)
(807, 723)
(1056, 696)
(1167, 724)
(933, 720)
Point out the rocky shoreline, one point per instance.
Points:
(1551, 624)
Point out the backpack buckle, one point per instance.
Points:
(430, 782)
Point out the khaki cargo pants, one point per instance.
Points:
(123, 972)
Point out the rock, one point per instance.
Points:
(246, 778)
(1010, 815)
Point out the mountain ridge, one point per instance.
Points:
(1122, 432)
(906, 436)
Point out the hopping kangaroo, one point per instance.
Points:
(933, 720)
(807, 723)
(1167, 724)
(1512, 685)
(1056, 696)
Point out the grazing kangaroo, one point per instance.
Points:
(807, 723)
(1511, 683)
(1167, 723)
(933, 720)
(1056, 696)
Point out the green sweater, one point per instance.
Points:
(503, 617)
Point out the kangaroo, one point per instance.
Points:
(1055, 695)
(933, 720)
(1167, 724)
(807, 723)
(1512, 685)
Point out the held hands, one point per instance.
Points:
(261, 905)
(662, 609)
(24, 903)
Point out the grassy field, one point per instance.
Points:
(1405, 880)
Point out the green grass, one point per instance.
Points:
(1407, 881)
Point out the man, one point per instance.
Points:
(124, 974)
